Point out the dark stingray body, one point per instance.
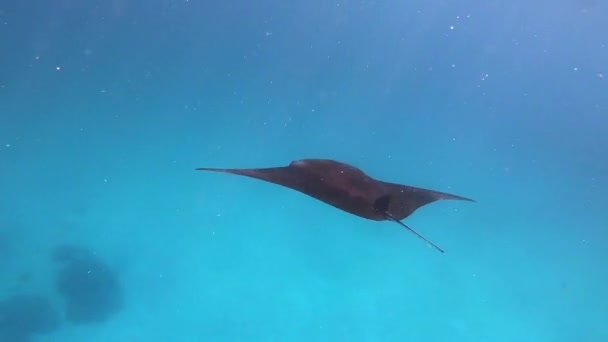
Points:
(346, 187)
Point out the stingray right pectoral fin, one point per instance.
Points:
(392, 218)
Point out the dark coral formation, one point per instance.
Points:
(22, 316)
(91, 290)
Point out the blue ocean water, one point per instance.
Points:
(108, 234)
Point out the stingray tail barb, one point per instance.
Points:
(392, 218)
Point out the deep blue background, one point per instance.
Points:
(106, 108)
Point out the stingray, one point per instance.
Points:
(349, 189)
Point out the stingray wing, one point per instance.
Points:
(404, 199)
(286, 176)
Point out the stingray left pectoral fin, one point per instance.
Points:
(392, 218)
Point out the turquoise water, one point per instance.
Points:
(107, 107)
